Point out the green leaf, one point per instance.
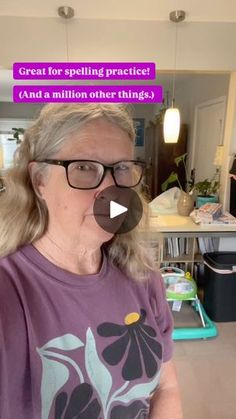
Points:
(19, 130)
(207, 187)
(180, 159)
(139, 391)
(54, 376)
(66, 342)
(173, 177)
(17, 133)
(99, 375)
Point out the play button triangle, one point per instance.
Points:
(114, 217)
(116, 209)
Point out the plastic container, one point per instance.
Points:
(220, 286)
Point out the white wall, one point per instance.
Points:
(201, 46)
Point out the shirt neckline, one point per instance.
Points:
(59, 274)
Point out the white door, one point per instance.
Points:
(208, 134)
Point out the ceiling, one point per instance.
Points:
(198, 11)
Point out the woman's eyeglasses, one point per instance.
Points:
(89, 174)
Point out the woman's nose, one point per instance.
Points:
(108, 180)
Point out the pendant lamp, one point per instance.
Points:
(171, 126)
(66, 13)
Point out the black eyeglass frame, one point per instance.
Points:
(106, 167)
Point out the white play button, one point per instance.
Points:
(116, 209)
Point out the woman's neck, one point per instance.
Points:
(80, 260)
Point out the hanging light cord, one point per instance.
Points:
(67, 41)
(175, 61)
(66, 12)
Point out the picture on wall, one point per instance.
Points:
(139, 124)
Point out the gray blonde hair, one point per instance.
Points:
(24, 216)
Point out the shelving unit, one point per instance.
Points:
(180, 251)
(164, 227)
(184, 230)
(165, 255)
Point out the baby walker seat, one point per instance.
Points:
(180, 286)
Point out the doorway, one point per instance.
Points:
(208, 134)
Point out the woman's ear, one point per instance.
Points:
(37, 179)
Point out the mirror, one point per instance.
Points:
(200, 97)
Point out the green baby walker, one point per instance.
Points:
(180, 286)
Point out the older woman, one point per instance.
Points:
(85, 331)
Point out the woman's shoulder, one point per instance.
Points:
(10, 268)
(10, 307)
(155, 289)
(7, 262)
(153, 284)
(153, 280)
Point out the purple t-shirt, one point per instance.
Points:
(78, 346)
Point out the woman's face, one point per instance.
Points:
(70, 210)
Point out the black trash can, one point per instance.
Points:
(220, 286)
(232, 203)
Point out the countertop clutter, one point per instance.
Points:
(212, 214)
(174, 223)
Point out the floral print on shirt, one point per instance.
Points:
(135, 346)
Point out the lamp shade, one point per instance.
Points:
(171, 125)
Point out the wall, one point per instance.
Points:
(201, 46)
(19, 110)
(192, 90)
(197, 89)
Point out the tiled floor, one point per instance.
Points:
(207, 375)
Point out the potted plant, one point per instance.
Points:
(185, 203)
(17, 135)
(207, 191)
(174, 177)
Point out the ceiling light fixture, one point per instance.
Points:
(66, 13)
(172, 115)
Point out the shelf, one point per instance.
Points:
(198, 258)
(174, 227)
(179, 259)
(170, 246)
